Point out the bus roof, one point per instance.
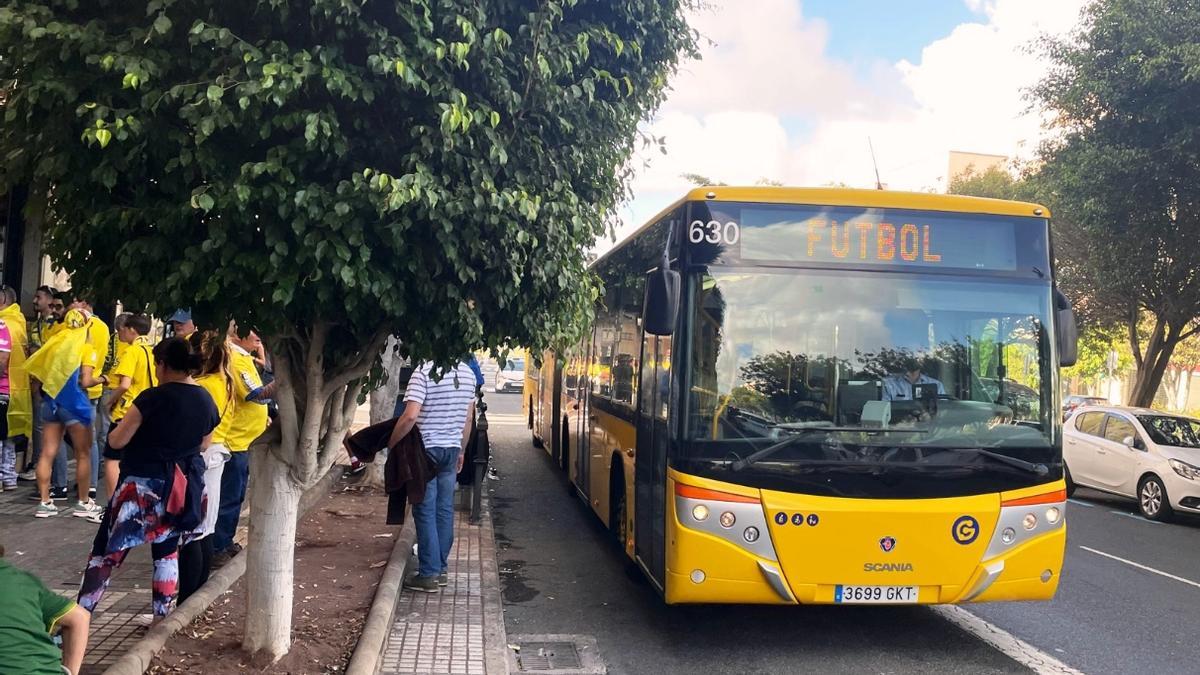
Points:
(883, 199)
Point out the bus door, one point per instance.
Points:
(552, 398)
(577, 415)
(650, 470)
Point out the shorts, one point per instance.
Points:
(109, 452)
(53, 413)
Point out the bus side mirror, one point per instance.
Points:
(1068, 331)
(661, 306)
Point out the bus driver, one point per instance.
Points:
(902, 386)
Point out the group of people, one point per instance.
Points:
(170, 423)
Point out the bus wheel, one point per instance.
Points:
(564, 457)
(530, 412)
(617, 506)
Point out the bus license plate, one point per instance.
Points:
(876, 595)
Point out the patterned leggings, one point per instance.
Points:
(100, 567)
(8, 463)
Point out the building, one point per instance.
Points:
(973, 162)
(23, 264)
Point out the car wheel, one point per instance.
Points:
(1069, 480)
(1152, 499)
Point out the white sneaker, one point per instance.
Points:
(96, 518)
(30, 475)
(46, 510)
(86, 509)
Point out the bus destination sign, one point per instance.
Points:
(747, 233)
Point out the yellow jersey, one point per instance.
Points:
(93, 358)
(248, 419)
(215, 385)
(138, 365)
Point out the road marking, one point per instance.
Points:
(1136, 517)
(1076, 501)
(1008, 644)
(1142, 567)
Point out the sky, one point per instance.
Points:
(791, 90)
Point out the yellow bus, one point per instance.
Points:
(823, 396)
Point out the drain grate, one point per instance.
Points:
(543, 656)
(555, 655)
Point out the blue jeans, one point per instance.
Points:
(434, 517)
(234, 477)
(100, 424)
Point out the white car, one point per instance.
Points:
(1150, 456)
(511, 377)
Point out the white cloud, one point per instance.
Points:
(768, 101)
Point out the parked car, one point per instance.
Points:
(1150, 456)
(511, 377)
(1070, 403)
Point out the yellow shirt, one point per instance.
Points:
(118, 351)
(214, 384)
(38, 332)
(92, 358)
(138, 365)
(249, 419)
(98, 337)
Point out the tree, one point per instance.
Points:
(333, 173)
(995, 182)
(1123, 174)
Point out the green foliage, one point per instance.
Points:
(1124, 175)
(1095, 345)
(996, 183)
(432, 169)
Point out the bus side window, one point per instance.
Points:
(628, 344)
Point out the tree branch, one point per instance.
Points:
(359, 367)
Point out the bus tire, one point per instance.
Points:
(618, 513)
(530, 423)
(564, 457)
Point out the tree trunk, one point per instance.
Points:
(274, 509)
(1150, 372)
(383, 404)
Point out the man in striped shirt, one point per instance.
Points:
(441, 410)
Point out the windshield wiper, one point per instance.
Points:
(1037, 469)
(800, 434)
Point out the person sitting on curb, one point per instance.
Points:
(29, 616)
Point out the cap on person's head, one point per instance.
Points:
(181, 316)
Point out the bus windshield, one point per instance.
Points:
(796, 373)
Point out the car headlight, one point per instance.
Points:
(1184, 469)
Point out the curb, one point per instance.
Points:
(371, 643)
(495, 637)
(139, 657)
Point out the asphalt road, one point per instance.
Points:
(562, 574)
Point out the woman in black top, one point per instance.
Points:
(160, 493)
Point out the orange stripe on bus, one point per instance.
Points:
(1047, 498)
(693, 492)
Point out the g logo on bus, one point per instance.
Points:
(887, 544)
(965, 530)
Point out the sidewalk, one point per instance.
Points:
(459, 631)
(56, 549)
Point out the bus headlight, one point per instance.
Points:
(1029, 521)
(728, 519)
(1184, 469)
(700, 512)
(751, 534)
(1053, 514)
